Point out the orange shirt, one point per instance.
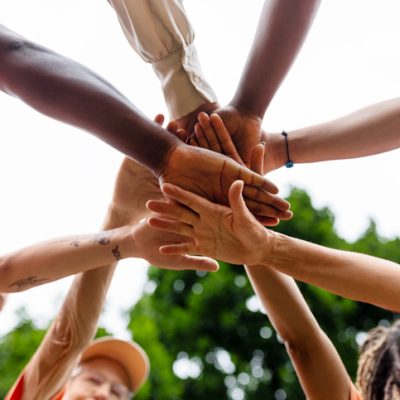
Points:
(17, 391)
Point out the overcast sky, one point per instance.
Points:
(57, 180)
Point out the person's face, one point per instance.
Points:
(99, 379)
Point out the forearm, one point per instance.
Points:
(66, 90)
(55, 259)
(280, 33)
(356, 276)
(370, 130)
(317, 363)
(70, 332)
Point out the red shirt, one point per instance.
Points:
(17, 391)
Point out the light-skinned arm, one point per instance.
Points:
(368, 131)
(234, 235)
(76, 322)
(318, 365)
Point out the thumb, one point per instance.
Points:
(236, 200)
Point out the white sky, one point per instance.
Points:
(57, 180)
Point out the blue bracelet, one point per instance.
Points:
(289, 162)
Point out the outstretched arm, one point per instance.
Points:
(68, 91)
(63, 89)
(57, 258)
(281, 30)
(318, 365)
(370, 130)
(76, 322)
(235, 236)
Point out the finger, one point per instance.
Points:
(209, 132)
(264, 210)
(188, 199)
(200, 136)
(172, 127)
(179, 249)
(173, 210)
(263, 197)
(267, 221)
(159, 119)
(253, 179)
(236, 200)
(171, 226)
(182, 134)
(192, 141)
(257, 158)
(197, 263)
(225, 139)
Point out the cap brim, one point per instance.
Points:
(127, 353)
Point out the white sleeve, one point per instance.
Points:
(159, 31)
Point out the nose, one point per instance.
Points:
(102, 392)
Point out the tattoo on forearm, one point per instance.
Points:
(75, 243)
(116, 253)
(103, 237)
(27, 283)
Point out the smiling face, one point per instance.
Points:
(100, 378)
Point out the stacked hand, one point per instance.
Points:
(229, 234)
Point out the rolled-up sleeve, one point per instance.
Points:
(160, 32)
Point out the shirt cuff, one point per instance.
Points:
(182, 81)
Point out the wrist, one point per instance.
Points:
(275, 245)
(245, 110)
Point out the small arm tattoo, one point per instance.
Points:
(116, 253)
(75, 243)
(27, 283)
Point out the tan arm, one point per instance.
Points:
(318, 365)
(55, 259)
(368, 131)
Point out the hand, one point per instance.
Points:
(188, 121)
(134, 185)
(211, 175)
(229, 234)
(245, 130)
(148, 240)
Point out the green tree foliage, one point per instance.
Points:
(206, 336)
(208, 339)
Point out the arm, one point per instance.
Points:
(213, 228)
(70, 332)
(76, 322)
(371, 130)
(160, 32)
(318, 366)
(280, 33)
(58, 258)
(66, 90)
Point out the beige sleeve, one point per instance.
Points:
(159, 31)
